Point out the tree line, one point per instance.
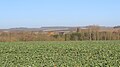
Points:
(91, 33)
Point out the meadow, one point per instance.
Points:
(60, 54)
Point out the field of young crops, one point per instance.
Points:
(60, 54)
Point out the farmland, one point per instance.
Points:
(60, 54)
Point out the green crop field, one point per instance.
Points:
(60, 54)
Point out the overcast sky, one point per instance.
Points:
(37, 13)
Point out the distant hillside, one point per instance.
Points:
(53, 28)
(116, 26)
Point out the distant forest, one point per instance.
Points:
(77, 34)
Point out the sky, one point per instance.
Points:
(39, 13)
